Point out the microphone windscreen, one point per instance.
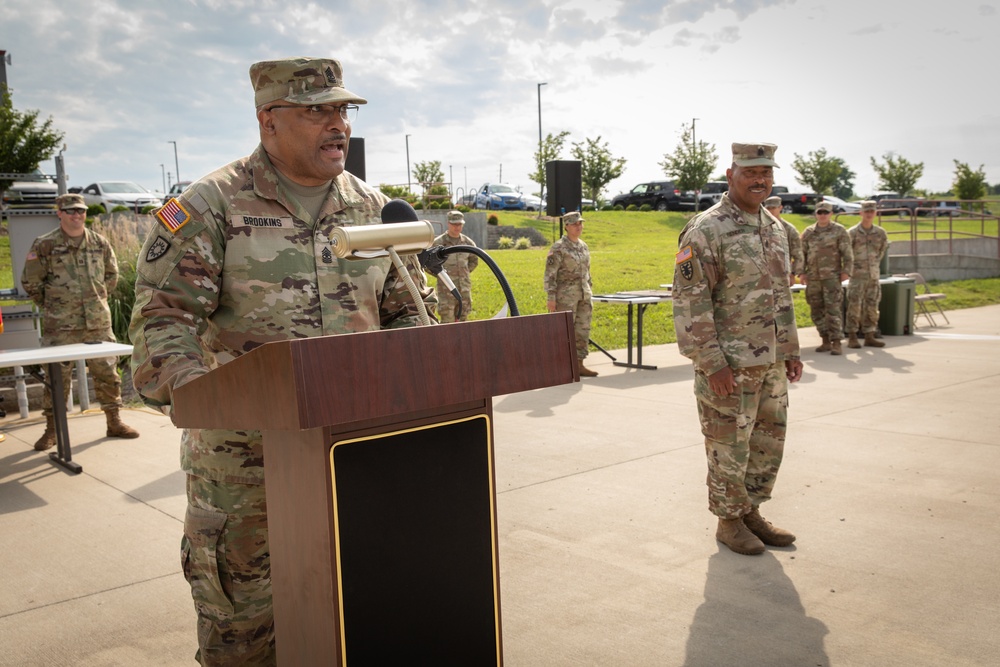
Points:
(398, 210)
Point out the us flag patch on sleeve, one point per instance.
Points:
(684, 254)
(173, 216)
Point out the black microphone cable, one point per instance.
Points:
(432, 259)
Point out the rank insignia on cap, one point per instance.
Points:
(173, 216)
(331, 78)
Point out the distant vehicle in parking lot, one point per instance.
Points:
(841, 206)
(661, 195)
(177, 188)
(35, 190)
(111, 194)
(532, 203)
(499, 196)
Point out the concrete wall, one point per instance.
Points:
(963, 259)
(474, 228)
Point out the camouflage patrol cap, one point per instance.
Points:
(300, 81)
(824, 206)
(456, 217)
(772, 202)
(572, 218)
(869, 205)
(71, 200)
(754, 155)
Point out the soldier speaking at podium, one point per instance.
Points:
(241, 258)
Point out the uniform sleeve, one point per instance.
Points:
(846, 253)
(110, 269)
(696, 272)
(552, 263)
(473, 259)
(36, 268)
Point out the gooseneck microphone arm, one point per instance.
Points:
(432, 259)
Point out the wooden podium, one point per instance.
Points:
(378, 457)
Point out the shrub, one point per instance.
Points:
(463, 209)
(617, 207)
(493, 220)
(146, 210)
(522, 243)
(433, 205)
(94, 210)
(585, 209)
(418, 205)
(505, 243)
(645, 208)
(119, 209)
(631, 207)
(608, 207)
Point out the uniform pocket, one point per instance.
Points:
(200, 559)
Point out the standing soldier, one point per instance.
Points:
(869, 244)
(69, 273)
(568, 283)
(796, 263)
(827, 250)
(734, 319)
(459, 266)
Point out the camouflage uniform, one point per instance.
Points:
(568, 283)
(249, 266)
(827, 252)
(70, 279)
(863, 291)
(795, 258)
(733, 307)
(459, 266)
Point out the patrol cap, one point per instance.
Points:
(754, 155)
(869, 205)
(71, 200)
(300, 81)
(824, 206)
(572, 218)
(456, 217)
(772, 202)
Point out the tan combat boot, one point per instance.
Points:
(835, 346)
(852, 341)
(871, 341)
(825, 347)
(48, 439)
(117, 428)
(738, 538)
(584, 371)
(769, 534)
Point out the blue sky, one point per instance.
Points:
(859, 78)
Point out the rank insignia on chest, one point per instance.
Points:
(327, 256)
(157, 249)
(173, 216)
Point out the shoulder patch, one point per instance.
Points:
(32, 255)
(157, 249)
(683, 254)
(173, 216)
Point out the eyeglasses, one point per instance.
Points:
(322, 114)
(74, 211)
(823, 212)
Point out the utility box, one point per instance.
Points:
(24, 225)
(896, 307)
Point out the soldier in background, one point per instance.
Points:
(459, 266)
(827, 251)
(734, 319)
(869, 245)
(69, 273)
(242, 257)
(568, 284)
(795, 260)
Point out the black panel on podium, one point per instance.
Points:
(356, 157)
(564, 186)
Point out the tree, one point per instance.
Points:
(897, 174)
(24, 144)
(969, 184)
(430, 177)
(397, 192)
(844, 187)
(597, 166)
(690, 165)
(552, 147)
(824, 174)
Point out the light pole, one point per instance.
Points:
(451, 181)
(694, 142)
(541, 167)
(177, 167)
(694, 149)
(408, 163)
(164, 174)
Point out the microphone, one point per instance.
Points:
(406, 235)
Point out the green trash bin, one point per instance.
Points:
(895, 316)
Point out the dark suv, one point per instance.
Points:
(661, 195)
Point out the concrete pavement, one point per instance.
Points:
(607, 550)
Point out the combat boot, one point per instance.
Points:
(852, 341)
(769, 534)
(117, 428)
(738, 537)
(835, 346)
(871, 341)
(825, 347)
(48, 439)
(584, 371)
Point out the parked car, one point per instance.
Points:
(499, 196)
(177, 188)
(35, 190)
(533, 203)
(841, 206)
(111, 194)
(949, 208)
(661, 195)
(795, 202)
